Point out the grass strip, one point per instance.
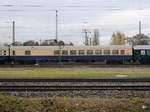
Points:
(65, 74)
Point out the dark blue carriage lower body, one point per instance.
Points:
(3, 58)
(96, 58)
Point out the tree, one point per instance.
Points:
(36, 43)
(17, 44)
(61, 43)
(139, 39)
(51, 42)
(29, 43)
(118, 38)
(70, 44)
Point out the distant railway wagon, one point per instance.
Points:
(142, 54)
(115, 53)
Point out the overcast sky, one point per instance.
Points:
(35, 19)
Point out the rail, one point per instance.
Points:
(97, 79)
(71, 88)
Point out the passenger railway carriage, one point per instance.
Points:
(108, 54)
(142, 54)
(33, 54)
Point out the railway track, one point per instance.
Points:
(71, 65)
(97, 79)
(35, 88)
(71, 88)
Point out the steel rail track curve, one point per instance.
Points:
(71, 88)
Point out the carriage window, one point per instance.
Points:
(142, 52)
(27, 53)
(106, 52)
(73, 52)
(89, 52)
(56, 52)
(81, 52)
(13, 53)
(148, 52)
(98, 52)
(4, 53)
(115, 52)
(64, 52)
(0, 52)
(122, 52)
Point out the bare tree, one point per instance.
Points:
(30, 43)
(118, 38)
(139, 39)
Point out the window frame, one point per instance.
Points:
(73, 54)
(83, 52)
(115, 52)
(105, 52)
(142, 52)
(96, 53)
(27, 53)
(57, 54)
(90, 52)
(13, 52)
(1, 52)
(64, 52)
(122, 52)
(4, 52)
(148, 52)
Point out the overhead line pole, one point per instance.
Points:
(60, 52)
(139, 27)
(85, 31)
(56, 25)
(13, 41)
